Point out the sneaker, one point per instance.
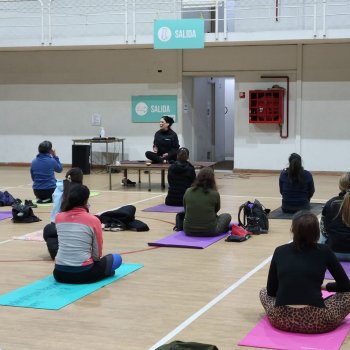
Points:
(44, 201)
(107, 227)
(30, 203)
(127, 182)
(117, 227)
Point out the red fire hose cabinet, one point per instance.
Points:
(266, 106)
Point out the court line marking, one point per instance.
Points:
(140, 201)
(208, 306)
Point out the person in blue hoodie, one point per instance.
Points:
(296, 186)
(73, 176)
(43, 171)
(181, 175)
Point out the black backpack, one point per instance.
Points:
(253, 217)
(6, 198)
(22, 213)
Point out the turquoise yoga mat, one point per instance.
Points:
(51, 295)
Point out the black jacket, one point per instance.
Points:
(166, 142)
(125, 216)
(180, 177)
(296, 195)
(338, 234)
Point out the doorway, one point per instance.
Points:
(211, 119)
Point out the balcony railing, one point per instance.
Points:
(125, 22)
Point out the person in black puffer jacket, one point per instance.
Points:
(181, 175)
(165, 144)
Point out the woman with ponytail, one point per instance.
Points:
(335, 221)
(79, 258)
(296, 186)
(73, 176)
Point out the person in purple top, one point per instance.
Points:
(43, 170)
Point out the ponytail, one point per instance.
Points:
(345, 209)
(295, 170)
(66, 188)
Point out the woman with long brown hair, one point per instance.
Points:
(202, 203)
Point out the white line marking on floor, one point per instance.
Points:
(140, 201)
(205, 308)
(9, 240)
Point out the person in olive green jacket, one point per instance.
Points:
(202, 203)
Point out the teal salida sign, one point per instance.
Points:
(149, 109)
(179, 34)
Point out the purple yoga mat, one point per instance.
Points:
(263, 335)
(346, 267)
(5, 215)
(180, 240)
(163, 208)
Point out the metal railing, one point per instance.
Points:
(84, 22)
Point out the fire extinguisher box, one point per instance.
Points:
(266, 106)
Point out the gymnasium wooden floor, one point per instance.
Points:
(208, 296)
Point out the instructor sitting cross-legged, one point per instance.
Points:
(165, 144)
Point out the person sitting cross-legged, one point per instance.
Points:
(79, 258)
(181, 175)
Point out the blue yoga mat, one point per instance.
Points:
(51, 295)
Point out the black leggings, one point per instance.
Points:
(99, 270)
(51, 239)
(44, 194)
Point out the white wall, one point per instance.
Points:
(52, 95)
(63, 112)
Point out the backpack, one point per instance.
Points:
(255, 218)
(22, 213)
(179, 221)
(6, 198)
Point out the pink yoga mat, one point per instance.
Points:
(180, 240)
(263, 335)
(346, 267)
(163, 208)
(5, 215)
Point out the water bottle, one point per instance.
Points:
(102, 132)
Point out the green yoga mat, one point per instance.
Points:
(315, 208)
(51, 295)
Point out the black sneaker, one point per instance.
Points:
(30, 203)
(44, 201)
(117, 227)
(107, 227)
(127, 182)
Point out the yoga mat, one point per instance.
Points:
(163, 208)
(94, 193)
(33, 236)
(263, 335)
(51, 295)
(5, 215)
(180, 240)
(315, 208)
(346, 267)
